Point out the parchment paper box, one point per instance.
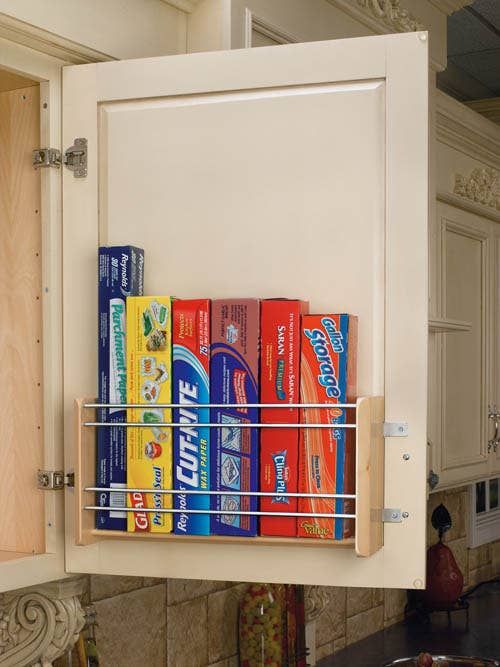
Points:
(327, 456)
(149, 449)
(279, 383)
(191, 359)
(234, 372)
(121, 273)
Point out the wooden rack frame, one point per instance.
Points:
(369, 488)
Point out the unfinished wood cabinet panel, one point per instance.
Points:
(21, 369)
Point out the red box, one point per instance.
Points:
(279, 383)
(327, 456)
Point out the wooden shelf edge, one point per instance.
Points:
(370, 448)
(262, 541)
(443, 325)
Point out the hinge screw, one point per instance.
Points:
(406, 457)
(405, 515)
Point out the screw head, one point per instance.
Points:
(406, 457)
(405, 515)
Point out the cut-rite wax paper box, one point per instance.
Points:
(149, 449)
(279, 383)
(234, 372)
(121, 274)
(191, 358)
(327, 456)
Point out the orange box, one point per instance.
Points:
(327, 456)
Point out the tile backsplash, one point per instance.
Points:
(190, 623)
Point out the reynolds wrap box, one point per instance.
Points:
(149, 449)
(191, 357)
(234, 372)
(121, 274)
(279, 383)
(327, 456)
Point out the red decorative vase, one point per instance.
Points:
(444, 578)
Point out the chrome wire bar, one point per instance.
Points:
(198, 406)
(212, 425)
(198, 492)
(164, 510)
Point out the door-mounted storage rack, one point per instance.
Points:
(368, 497)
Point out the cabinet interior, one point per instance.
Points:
(21, 420)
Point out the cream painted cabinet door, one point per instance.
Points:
(297, 170)
(467, 255)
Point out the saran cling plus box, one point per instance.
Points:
(191, 446)
(234, 372)
(121, 273)
(327, 456)
(149, 449)
(279, 383)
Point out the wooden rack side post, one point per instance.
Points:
(85, 456)
(370, 446)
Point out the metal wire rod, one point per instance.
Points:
(219, 405)
(212, 425)
(163, 510)
(198, 492)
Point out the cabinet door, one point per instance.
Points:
(296, 170)
(466, 356)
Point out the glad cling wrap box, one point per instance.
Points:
(149, 449)
(234, 372)
(121, 273)
(191, 350)
(279, 383)
(327, 456)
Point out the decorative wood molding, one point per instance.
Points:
(465, 130)
(481, 186)
(450, 6)
(489, 108)
(48, 43)
(317, 599)
(39, 624)
(468, 205)
(381, 16)
(442, 325)
(264, 27)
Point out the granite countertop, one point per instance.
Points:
(480, 637)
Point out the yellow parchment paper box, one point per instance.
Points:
(149, 449)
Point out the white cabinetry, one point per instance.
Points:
(463, 345)
(165, 190)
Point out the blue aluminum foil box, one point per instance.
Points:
(234, 372)
(121, 274)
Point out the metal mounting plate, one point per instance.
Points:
(395, 429)
(391, 515)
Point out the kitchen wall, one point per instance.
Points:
(190, 623)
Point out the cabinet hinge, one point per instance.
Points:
(75, 158)
(54, 480)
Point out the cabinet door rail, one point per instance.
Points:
(367, 421)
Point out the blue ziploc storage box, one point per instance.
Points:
(121, 274)
(191, 443)
(234, 372)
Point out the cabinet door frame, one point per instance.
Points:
(46, 69)
(395, 59)
(451, 217)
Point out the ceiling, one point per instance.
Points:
(473, 70)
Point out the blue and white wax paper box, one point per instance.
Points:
(121, 274)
